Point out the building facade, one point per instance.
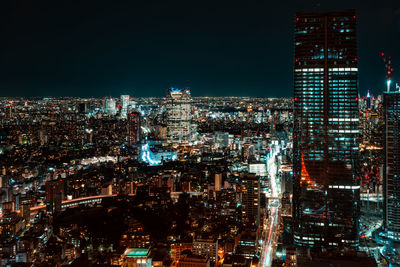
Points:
(134, 124)
(136, 257)
(250, 197)
(54, 195)
(207, 247)
(391, 169)
(178, 248)
(179, 116)
(110, 107)
(326, 121)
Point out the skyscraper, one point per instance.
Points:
(250, 197)
(133, 128)
(54, 195)
(125, 101)
(179, 115)
(326, 118)
(391, 171)
(110, 107)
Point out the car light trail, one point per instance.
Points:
(273, 217)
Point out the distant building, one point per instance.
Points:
(391, 171)
(134, 123)
(10, 224)
(218, 181)
(83, 108)
(125, 102)
(326, 191)
(179, 116)
(54, 195)
(110, 108)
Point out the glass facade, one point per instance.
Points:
(326, 129)
(392, 166)
(179, 115)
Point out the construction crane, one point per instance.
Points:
(389, 70)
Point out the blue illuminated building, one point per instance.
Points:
(391, 170)
(326, 129)
(153, 155)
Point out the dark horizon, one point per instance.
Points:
(106, 48)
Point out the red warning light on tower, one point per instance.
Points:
(389, 69)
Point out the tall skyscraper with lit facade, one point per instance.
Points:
(391, 171)
(250, 198)
(125, 102)
(326, 119)
(179, 115)
(110, 106)
(134, 124)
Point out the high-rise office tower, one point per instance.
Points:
(125, 102)
(179, 115)
(54, 195)
(110, 106)
(391, 171)
(133, 128)
(250, 188)
(326, 189)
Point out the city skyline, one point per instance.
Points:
(223, 49)
(176, 134)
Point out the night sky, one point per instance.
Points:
(218, 48)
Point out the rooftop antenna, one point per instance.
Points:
(389, 70)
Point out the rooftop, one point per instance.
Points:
(136, 252)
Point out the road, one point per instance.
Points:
(272, 222)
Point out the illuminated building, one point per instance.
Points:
(179, 116)
(326, 190)
(54, 196)
(247, 246)
(11, 224)
(43, 137)
(207, 247)
(291, 257)
(391, 171)
(218, 181)
(133, 128)
(136, 257)
(258, 169)
(110, 106)
(156, 155)
(178, 248)
(136, 239)
(250, 188)
(125, 100)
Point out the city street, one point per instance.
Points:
(273, 209)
